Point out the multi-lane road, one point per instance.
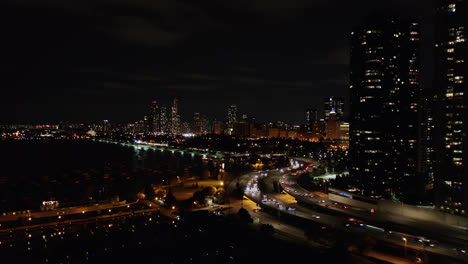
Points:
(329, 209)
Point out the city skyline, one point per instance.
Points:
(162, 108)
(107, 70)
(174, 131)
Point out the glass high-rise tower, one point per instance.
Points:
(154, 118)
(335, 104)
(175, 117)
(231, 118)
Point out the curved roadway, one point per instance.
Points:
(455, 239)
(250, 184)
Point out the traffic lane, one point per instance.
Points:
(336, 222)
(444, 249)
(289, 184)
(456, 237)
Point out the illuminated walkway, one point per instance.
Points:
(162, 147)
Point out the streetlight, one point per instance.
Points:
(404, 239)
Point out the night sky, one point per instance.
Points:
(108, 59)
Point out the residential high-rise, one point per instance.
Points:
(336, 104)
(231, 118)
(451, 72)
(384, 93)
(428, 135)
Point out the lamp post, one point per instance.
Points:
(404, 239)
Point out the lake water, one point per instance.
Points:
(84, 171)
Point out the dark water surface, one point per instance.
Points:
(78, 171)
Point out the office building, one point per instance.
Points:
(336, 104)
(175, 124)
(332, 125)
(163, 120)
(311, 117)
(154, 118)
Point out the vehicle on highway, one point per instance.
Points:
(428, 244)
(459, 250)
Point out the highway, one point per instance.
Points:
(451, 234)
(15, 216)
(79, 221)
(250, 184)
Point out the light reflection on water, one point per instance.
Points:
(31, 171)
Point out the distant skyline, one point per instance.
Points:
(71, 60)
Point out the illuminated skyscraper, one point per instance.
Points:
(196, 124)
(384, 89)
(175, 117)
(451, 72)
(231, 118)
(336, 104)
(154, 119)
(164, 122)
(332, 125)
(205, 124)
(311, 117)
(106, 126)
